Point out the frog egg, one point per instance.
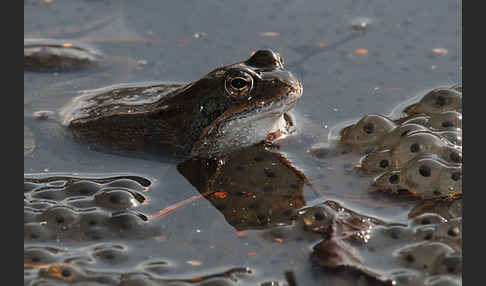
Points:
(393, 138)
(445, 121)
(449, 231)
(416, 144)
(451, 154)
(62, 271)
(425, 256)
(377, 162)
(39, 255)
(422, 176)
(450, 180)
(367, 131)
(60, 218)
(430, 177)
(389, 182)
(437, 101)
(117, 199)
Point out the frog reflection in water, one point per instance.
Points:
(254, 187)
(229, 108)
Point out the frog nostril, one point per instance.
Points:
(265, 59)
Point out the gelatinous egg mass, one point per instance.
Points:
(419, 153)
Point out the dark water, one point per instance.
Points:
(155, 40)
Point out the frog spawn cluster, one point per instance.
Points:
(99, 264)
(83, 209)
(419, 154)
(93, 210)
(426, 251)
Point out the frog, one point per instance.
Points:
(231, 107)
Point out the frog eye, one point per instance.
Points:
(239, 85)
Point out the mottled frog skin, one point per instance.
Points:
(231, 107)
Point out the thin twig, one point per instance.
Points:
(173, 207)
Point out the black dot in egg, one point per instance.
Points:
(425, 221)
(394, 179)
(447, 124)
(384, 164)
(425, 171)
(368, 128)
(456, 176)
(441, 100)
(455, 157)
(319, 216)
(453, 231)
(415, 147)
(66, 272)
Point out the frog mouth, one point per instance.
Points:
(274, 108)
(269, 109)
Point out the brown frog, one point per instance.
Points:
(231, 107)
